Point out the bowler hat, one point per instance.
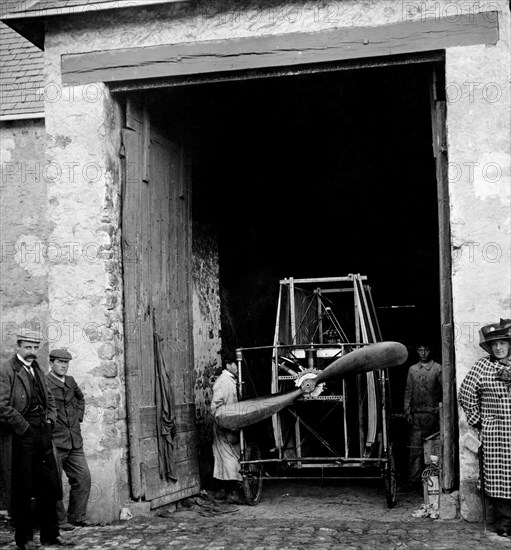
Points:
(494, 331)
(29, 335)
(61, 354)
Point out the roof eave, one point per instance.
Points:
(31, 24)
(77, 10)
(30, 28)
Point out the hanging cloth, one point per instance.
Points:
(165, 423)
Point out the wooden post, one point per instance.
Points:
(438, 118)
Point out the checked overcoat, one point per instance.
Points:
(486, 400)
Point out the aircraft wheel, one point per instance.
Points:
(389, 477)
(252, 475)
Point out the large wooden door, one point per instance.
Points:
(156, 234)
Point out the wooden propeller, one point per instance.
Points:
(381, 355)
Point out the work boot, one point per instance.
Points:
(220, 494)
(235, 498)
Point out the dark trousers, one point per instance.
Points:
(74, 464)
(423, 425)
(502, 513)
(34, 474)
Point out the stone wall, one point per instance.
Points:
(206, 337)
(83, 128)
(85, 281)
(24, 232)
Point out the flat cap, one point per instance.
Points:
(61, 354)
(29, 335)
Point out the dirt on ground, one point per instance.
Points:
(345, 500)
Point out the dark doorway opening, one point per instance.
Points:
(318, 175)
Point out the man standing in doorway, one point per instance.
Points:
(423, 395)
(27, 417)
(67, 437)
(226, 443)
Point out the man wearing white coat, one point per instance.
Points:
(226, 443)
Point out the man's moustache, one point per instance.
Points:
(30, 356)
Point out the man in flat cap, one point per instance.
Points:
(27, 417)
(67, 438)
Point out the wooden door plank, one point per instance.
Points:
(187, 473)
(191, 490)
(132, 303)
(146, 341)
(186, 449)
(290, 49)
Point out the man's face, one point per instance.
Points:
(59, 367)
(28, 350)
(424, 353)
(500, 348)
(232, 368)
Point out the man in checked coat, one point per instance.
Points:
(27, 417)
(67, 438)
(485, 396)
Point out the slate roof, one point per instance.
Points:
(41, 5)
(34, 8)
(21, 76)
(21, 60)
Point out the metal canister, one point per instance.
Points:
(311, 355)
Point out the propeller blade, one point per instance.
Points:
(375, 356)
(251, 411)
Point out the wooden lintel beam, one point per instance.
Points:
(292, 49)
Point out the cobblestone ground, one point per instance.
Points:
(289, 517)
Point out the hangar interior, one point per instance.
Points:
(317, 175)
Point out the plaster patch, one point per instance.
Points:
(7, 145)
(62, 141)
(493, 177)
(30, 255)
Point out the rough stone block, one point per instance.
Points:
(449, 505)
(110, 400)
(108, 369)
(138, 508)
(106, 352)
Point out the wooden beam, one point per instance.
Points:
(437, 56)
(236, 54)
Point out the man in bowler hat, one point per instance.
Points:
(27, 417)
(67, 438)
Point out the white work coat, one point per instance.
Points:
(226, 443)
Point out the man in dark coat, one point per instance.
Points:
(27, 417)
(423, 395)
(67, 438)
